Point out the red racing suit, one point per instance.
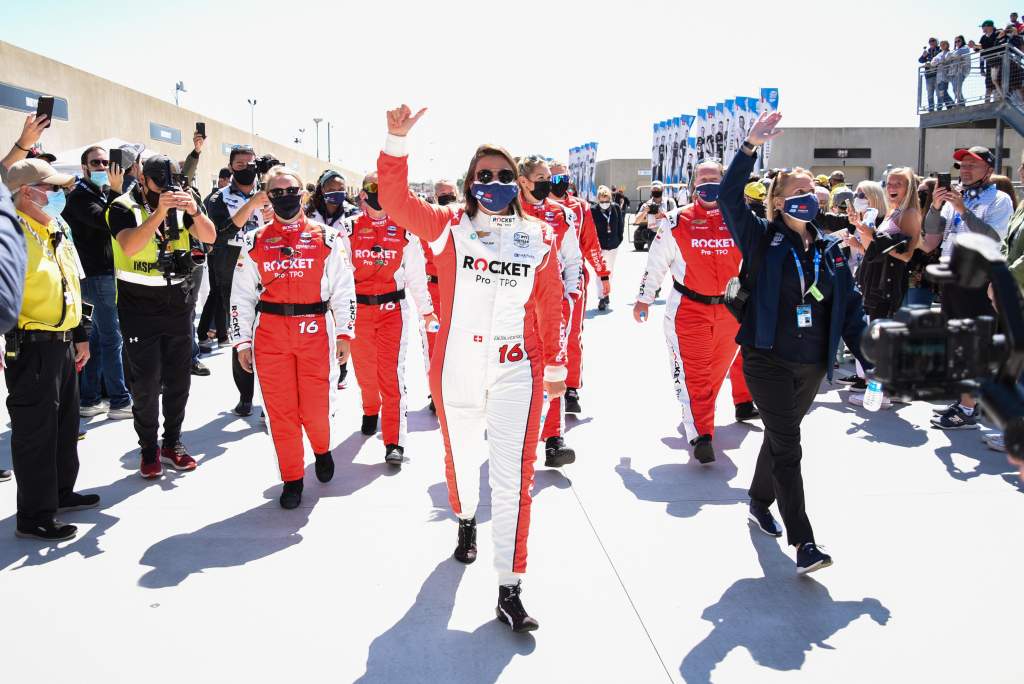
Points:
(500, 337)
(435, 299)
(571, 263)
(388, 265)
(590, 246)
(701, 337)
(292, 296)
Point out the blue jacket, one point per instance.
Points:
(758, 326)
(13, 258)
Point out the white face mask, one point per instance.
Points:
(860, 205)
(604, 205)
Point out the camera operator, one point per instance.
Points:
(658, 204)
(976, 206)
(151, 226)
(235, 210)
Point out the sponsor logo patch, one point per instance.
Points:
(478, 338)
(521, 239)
(777, 240)
(272, 240)
(506, 268)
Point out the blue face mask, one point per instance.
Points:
(55, 202)
(707, 192)
(495, 196)
(336, 198)
(100, 178)
(802, 207)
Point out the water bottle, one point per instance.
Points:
(873, 395)
(433, 327)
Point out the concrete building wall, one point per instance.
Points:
(98, 109)
(624, 173)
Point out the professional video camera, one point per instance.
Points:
(265, 163)
(923, 354)
(171, 262)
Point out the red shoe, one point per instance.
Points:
(151, 470)
(177, 457)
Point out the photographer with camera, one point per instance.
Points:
(151, 226)
(976, 205)
(658, 204)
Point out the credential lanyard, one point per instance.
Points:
(813, 289)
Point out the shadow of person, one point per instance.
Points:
(441, 508)
(424, 420)
(777, 617)
(572, 421)
(968, 444)
(420, 647)
(259, 532)
(684, 487)
(881, 427)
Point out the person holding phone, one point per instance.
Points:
(31, 131)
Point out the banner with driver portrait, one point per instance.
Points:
(583, 170)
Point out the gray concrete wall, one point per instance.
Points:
(624, 173)
(100, 109)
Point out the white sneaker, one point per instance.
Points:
(120, 413)
(995, 442)
(95, 410)
(858, 400)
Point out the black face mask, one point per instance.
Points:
(246, 176)
(152, 198)
(922, 197)
(541, 190)
(559, 189)
(445, 199)
(286, 206)
(372, 201)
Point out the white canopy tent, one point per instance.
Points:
(70, 161)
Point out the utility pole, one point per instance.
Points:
(252, 116)
(328, 142)
(317, 122)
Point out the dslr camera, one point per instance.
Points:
(265, 163)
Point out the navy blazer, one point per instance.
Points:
(762, 313)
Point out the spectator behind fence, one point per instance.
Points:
(957, 68)
(987, 42)
(85, 213)
(1015, 79)
(942, 63)
(930, 70)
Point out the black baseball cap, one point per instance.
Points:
(224, 173)
(155, 167)
(978, 152)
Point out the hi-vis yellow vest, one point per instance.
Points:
(53, 296)
(143, 268)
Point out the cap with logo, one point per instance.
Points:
(980, 153)
(34, 172)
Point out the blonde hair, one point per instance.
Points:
(526, 165)
(778, 188)
(875, 196)
(911, 200)
(279, 171)
(604, 190)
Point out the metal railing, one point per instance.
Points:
(972, 79)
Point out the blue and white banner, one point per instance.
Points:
(582, 170)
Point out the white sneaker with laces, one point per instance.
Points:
(94, 410)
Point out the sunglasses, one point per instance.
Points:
(243, 148)
(560, 178)
(487, 176)
(860, 195)
(370, 188)
(277, 193)
(99, 163)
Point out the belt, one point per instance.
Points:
(696, 296)
(396, 296)
(42, 335)
(280, 309)
(432, 279)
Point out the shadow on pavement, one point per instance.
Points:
(882, 427)
(777, 618)
(968, 444)
(438, 492)
(685, 487)
(421, 648)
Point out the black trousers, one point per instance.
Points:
(213, 314)
(158, 362)
(42, 400)
(224, 264)
(783, 392)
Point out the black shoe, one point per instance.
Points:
(291, 495)
(746, 411)
(702, 450)
(602, 304)
(324, 467)
(53, 530)
(510, 609)
(465, 552)
(572, 401)
(859, 385)
(433, 409)
(78, 502)
(810, 558)
(762, 517)
(243, 409)
(394, 455)
(342, 373)
(369, 425)
(199, 369)
(5, 475)
(556, 454)
(848, 379)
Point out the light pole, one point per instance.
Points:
(328, 141)
(317, 122)
(252, 116)
(179, 87)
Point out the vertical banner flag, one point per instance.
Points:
(685, 124)
(769, 103)
(702, 127)
(583, 170)
(654, 152)
(730, 132)
(673, 162)
(720, 131)
(592, 172)
(691, 158)
(709, 139)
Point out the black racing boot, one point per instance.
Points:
(465, 552)
(324, 467)
(572, 401)
(394, 455)
(510, 609)
(342, 373)
(556, 454)
(369, 425)
(746, 411)
(291, 495)
(433, 409)
(702, 450)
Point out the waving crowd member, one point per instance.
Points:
(387, 261)
(535, 186)
(802, 302)
(700, 331)
(293, 310)
(590, 246)
(499, 348)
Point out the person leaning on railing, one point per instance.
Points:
(958, 66)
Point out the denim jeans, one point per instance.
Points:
(105, 367)
(929, 84)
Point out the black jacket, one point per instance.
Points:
(85, 213)
(609, 228)
(12, 262)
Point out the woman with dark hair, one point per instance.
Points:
(328, 203)
(500, 346)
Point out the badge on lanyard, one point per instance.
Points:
(803, 316)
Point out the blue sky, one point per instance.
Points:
(535, 77)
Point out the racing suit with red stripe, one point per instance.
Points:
(590, 247)
(435, 299)
(292, 296)
(702, 257)
(388, 265)
(571, 263)
(500, 337)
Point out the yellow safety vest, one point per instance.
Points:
(53, 294)
(143, 268)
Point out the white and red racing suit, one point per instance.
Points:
(561, 220)
(435, 300)
(501, 302)
(700, 331)
(388, 266)
(292, 297)
(590, 247)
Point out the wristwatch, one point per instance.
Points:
(748, 148)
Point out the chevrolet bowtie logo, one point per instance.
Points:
(132, 340)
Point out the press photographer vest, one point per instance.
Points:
(143, 268)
